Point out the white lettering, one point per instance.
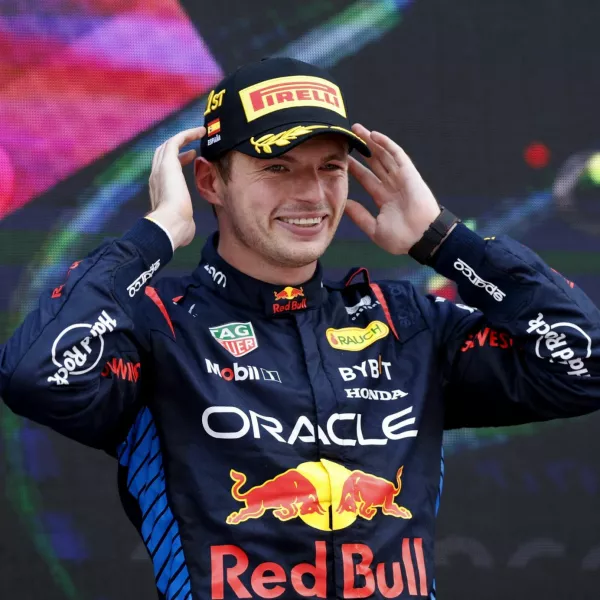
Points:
(393, 427)
(339, 417)
(470, 274)
(88, 349)
(376, 369)
(369, 394)
(390, 427)
(218, 277)
(272, 425)
(555, 345)
(301, 423)
(214, 140)
(136, 286)
(361, 440)
(232, 435)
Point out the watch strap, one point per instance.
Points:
(423, 250)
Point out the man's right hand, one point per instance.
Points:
(169, 195)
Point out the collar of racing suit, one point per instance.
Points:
(238, 288)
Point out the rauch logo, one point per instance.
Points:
(356, 338)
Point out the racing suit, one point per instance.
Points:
(283, 441)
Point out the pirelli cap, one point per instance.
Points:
(266, 108)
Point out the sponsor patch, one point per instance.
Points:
(218, 277)
(235, 573)
(136, 286)
(231, 422)
(462, 267)
(365, 303)
(126, 370)
(238, 339)
(354, 339)
(367, 368)
(280, 93)
(369, 394)
(85, 347)
(290, 294)
(564, 343)
(239, 373)
(488, 337)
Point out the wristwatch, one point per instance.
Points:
(423, 250)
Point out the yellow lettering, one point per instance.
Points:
(214, 101)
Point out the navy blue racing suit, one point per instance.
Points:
(286, 441)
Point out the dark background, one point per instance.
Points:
(465, 86)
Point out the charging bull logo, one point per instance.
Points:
(364, 493)
(290, 294)
(312, 488)
(288, 495)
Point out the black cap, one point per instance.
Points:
(266, 108)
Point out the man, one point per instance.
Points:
(284, 438)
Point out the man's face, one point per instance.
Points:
(286, 210)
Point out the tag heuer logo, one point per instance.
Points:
(237, 338)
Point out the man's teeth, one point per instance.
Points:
(303, 222)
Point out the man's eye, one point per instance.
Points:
(332, 167)
(276, 168)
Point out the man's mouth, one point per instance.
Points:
(303, 222)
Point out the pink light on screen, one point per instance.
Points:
(7, 178)
(92, 77)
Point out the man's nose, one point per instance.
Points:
(308, 188)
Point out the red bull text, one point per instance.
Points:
(362, 575)
(290, 294)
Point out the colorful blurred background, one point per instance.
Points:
(496, 103)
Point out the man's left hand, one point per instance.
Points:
(406, 205)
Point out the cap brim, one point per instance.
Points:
(279, 140)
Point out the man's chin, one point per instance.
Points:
(296, 255)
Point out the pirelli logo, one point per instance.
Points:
(269, 96)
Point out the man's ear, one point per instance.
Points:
(208, 181)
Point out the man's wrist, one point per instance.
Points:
(175, 229)
(425, 248)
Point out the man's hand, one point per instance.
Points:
(406, 205)
(169, 195)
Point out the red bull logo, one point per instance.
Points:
(363, 576)
(312, 488)
(364, 493)
(288, 495)
(326, 496)
(290, 294)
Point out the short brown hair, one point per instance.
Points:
(223, 166)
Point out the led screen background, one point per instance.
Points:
(497, 105)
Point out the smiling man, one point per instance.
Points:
(277, 435)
